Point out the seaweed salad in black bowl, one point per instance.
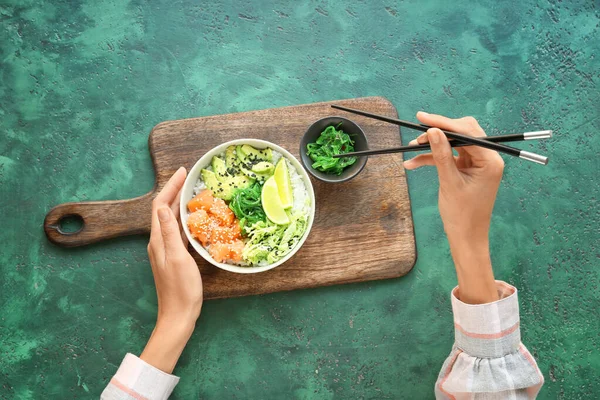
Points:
(328, 137)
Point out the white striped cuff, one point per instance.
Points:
(491, 329)
(141, 380)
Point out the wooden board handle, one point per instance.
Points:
(100, 220)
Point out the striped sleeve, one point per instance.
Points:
(488, 360)
(138, 380)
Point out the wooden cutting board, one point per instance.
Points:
(363, 229)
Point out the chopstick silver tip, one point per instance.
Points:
(537, 135)
(536, 158)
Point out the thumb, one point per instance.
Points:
(171, 235)
(443, 157)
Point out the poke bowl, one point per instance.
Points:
(247, 206)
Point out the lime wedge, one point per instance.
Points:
(271, 203)
(282, 178)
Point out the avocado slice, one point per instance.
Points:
(234, 167)
(264, 168)
(238, 182)
(232, 161)
(249, 157)
(224, 189)
(220, 169)
(253, 154)
(240, 155)
(261, 177)
(219, 189)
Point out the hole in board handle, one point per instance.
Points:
(70, 224)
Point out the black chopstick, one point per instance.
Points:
(516, 137)
(536, 158)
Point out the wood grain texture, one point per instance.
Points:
(363, 229)
(101, 220)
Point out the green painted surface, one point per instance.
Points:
(83, 82)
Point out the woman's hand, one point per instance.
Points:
(468, 187)
(177, 279)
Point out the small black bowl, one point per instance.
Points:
(356, 134)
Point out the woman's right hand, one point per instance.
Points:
(468, 187)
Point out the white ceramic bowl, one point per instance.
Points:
(188, 193)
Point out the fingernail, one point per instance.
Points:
(163, 214)
(423, 112)
(434, 136)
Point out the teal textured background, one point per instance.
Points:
(82, 83)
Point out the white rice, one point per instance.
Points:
(301, 200)
(276, 156)
(199, 186)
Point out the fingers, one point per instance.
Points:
(421, 139)
(171, 235)
(419, 161)
(168, 194)
(444, 159)
(151, 255)
(166, 197)
(466, 125)
(422, 160)
(175, 209)
(175, 205)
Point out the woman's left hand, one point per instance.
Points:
(177, 279)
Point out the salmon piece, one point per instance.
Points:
(226, 234)
(235, 250)
(236, 229)
(218, 251)
(203, 201)
(212, 222)
(222, 252)
(222, 212)
(200, 225)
